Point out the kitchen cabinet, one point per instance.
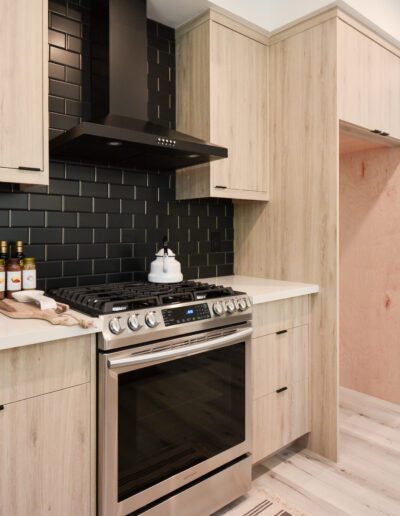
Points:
(279, 374)
(24, 92)
(368, 82)
(331, 80)
(221, 74)
(278, 419)
(47, 428)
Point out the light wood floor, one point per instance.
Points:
(365, 481)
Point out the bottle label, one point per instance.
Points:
(29, 279)
(2, 281)
(13, 281)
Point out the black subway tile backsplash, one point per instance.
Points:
(45, 202)
(67, 25)
(27, 218)
(56, 71)
(78, 236)
(64, 89)
(96, 224)
(78, 203)
(45, 236)
(61, 219)
(5, 217)
(65, 57)
(107, 236)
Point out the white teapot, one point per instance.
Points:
(165, 268)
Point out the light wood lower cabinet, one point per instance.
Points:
(279, 418)
(279, 375)
(47, 428)
(279, 359)
(45, 454)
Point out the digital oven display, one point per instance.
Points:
(185, 314)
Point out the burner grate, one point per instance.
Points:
(118, 297)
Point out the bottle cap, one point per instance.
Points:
(2, 262)
(29, 260)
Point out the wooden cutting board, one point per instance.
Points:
(60, 316)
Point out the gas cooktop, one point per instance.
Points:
(120, 297)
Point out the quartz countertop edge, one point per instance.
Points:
(264, 290)
(23, 332)
(15, 333)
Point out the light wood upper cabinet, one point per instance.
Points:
(23, 91)
(368, 82)
(222, 98)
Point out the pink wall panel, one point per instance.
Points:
(370, 272)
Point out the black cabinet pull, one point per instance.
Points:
(376, 131)
(281, 332)
(383, 133)
(33, 169)
(219, 186)
(281, 390)
(1, 407)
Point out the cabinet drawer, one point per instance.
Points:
(41, 368)
(279, 419)
(278, 360)
(279, 315)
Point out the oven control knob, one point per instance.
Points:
(134, 322)
(117, 325)
(152, 319)
(230, 307)
(242, 305)
(218, 309)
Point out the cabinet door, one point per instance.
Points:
(279, 418)
(22, 85)
(45, 454)
(369, 82)
(279, 360)
(238, 98)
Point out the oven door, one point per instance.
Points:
(169, 413)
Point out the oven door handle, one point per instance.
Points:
(183, 351)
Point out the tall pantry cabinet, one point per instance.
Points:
(320, 94)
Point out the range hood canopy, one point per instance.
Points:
(120, 133)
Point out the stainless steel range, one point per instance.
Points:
(173, 409)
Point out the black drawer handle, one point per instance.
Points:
(1, 407)
(219, 186)
(33, 169)
(281, 390)
(376, 131)
(281, 332)
(383, 133)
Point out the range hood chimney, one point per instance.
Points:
(120, 133)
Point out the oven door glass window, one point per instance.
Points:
(176, 414)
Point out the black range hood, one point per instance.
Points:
(120, 133)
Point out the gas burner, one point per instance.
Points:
(121, 297)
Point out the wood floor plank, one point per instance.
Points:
(339, 490)
(365, 481)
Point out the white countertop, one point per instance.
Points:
(23, 332)
(262, 290)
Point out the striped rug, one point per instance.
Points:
(255, 505)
